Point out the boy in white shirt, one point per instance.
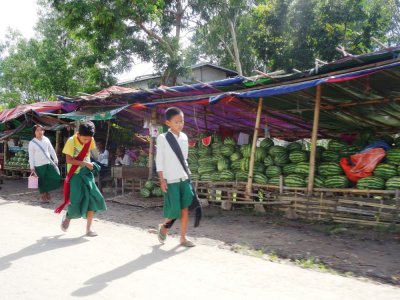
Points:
(174, 181)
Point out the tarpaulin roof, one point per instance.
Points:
(94, 113)
(13, 113)
(358, 92)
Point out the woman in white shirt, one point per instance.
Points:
(122, 158)
(43, 162)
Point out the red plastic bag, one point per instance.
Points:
(362, 164)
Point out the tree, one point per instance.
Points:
(50, 64)
(117, 30)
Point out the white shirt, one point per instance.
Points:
(126, 161)
(167, 161)
(36, 156)
(103, 158)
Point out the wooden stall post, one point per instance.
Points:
(314, 140)
(151, 150)
(58, 138)
(108, 134)
(253, 154)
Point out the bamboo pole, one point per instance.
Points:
(253, 149)
(314, 140)
(151, 149)
(58, 138)
(108, 134)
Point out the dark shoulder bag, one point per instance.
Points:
(196, 205)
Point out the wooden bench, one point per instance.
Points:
(128, 176)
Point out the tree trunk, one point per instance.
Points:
(235, 48)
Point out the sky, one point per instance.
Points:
(22, 16)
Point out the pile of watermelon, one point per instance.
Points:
(214, 159)
(141, 161)
(150, 189)
(20, 160)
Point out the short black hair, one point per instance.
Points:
(34, 129)
(86, 129)
(171, 112)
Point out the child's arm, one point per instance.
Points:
(160, 162)
(73, 161)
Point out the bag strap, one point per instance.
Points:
(44, 152)
(79, 157)
(178, 152)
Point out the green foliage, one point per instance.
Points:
(48, 65)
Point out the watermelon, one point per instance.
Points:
(192, 144)
(206, 141)
(242, 176)
(330, 155)
(298, 156)
(260, 178)
(145, 193)
(227, 175)
(245, 164)
(259, 167)
(294, 180)
(336, 145)
(205, 177)
(266, 143)
(246, 150)
(268, 161)
(149, 185)
(273, 171)
(294, 146)
(371, 183)
(318, 181)
(203, 151)
(236, 165)
(393, 156)
(385, 171)
(157, 192)
(302, 168)
(330, 169)
(274, 181)
(229, 141)
(227, 150)
(236, 156)
(393, 183)
(208, 169)
(337, 181)
(281, 159)
(216, 176)
(260, 154)
(275, 150)
(288, 169)
(222, 164)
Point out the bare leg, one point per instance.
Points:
(184, 223)
(89, 220)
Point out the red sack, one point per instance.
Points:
(362, 164)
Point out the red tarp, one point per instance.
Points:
(47, 106)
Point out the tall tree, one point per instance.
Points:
(118, 29)
(49, 64)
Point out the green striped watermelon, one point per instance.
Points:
(273, 171)
(281, 159)
(261, 153)
(294, 180)
(371, 183)
(393, 183)
(241, 176)
(268, 161)
(330, 156)
(227, 150)
(260, 178)
(385, 171)
(236, 156)
(393, 156)
(298, 156)
(223, 164)
(275, 150)
(336, 145)
(302, 168)
(229, 141)
(145, 193)
(330, 169)
(337, 181)
(294, 146)
(266, 143)
(227, 175)
(274, 181)
(245, 150)
(288, 169)
(318, 181)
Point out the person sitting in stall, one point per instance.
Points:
(103, 159)
(123, 158)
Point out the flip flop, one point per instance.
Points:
(63, 227)
(188, 243)
(91, 233)
(161, 236)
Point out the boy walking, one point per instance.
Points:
(80, 190)
(174, 181)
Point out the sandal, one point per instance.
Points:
(187, 243)
(91, 233)
(161, 236)
(64, 227)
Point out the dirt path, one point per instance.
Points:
(372, 254)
